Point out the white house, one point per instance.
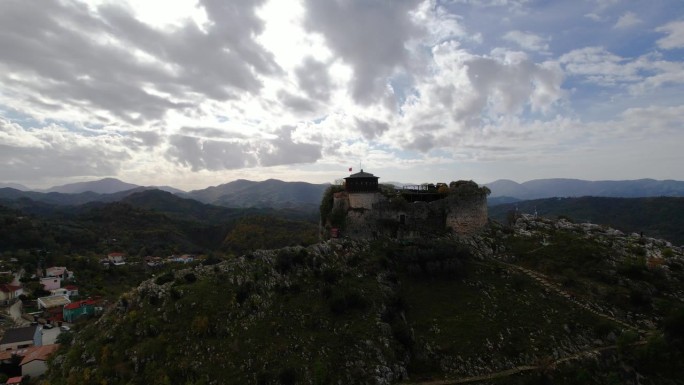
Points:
(18, 338)
(34, 363)
(116, 259)
(60, 272)
(10, 292)
(53, 301)
(51, 283)
(71, 290)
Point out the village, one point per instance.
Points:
(39, 310)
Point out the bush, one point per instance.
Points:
(347, 302)
(286, 260)
(190, 278)
(165, 278)
(288, 376)
(674, 329)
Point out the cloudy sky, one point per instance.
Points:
(196, 93)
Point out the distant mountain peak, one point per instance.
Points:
(567, 187)
(101, 186)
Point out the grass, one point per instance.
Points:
(495, 315)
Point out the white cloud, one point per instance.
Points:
(675, 35)
(468, 92)
(598, 66)
(527, 40)
(55, 152)
(212, 90)
(593, 16)
(627, 20)
(357, 31)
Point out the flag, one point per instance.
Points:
(349, 169)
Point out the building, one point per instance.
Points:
(116, 259)
(60, 291)
(362, 211)
(19, 338)
(361, 182)
(9, 293)
(60, 272)
(53, 301)
(71, 290)
(34, 363)
(75, 310)
(51, 283)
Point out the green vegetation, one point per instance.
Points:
(606, 308)
(358, 312)
(326, 206)
(468, 188)
(265, 319)
(661, 217)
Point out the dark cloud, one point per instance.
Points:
(29, 164)
(314, 79)
(212, 132)
(500, 88)
(90, 61)
(284, 150)
(213, 155)
(422, 142)
(369, 35)
(28, 155)
(296, 103)
(371, 128)
(140, 139)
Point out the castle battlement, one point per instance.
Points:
(361, 210)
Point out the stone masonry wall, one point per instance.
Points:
(364, 200)
(372, 215)
(466, 216)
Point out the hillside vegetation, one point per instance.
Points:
(147, 223)
(661, 217)
(539, 302)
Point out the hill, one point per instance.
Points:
(540, 302)
(102, 186)
(272, 193)
(656, 217)
(269, 193)
(15, 186)
(547, 188)
(149, 221)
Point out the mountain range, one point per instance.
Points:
(241, 193)
(558, 187)
(273, 193)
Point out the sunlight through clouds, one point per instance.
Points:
(206, 91)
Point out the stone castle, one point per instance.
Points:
(363, 209)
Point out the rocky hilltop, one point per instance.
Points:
(539, 301)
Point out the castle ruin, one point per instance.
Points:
(364, 209)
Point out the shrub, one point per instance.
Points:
(165, 278)
(347, 302)
(674, 328)
(288, 376)
(190, 278)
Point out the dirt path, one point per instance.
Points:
(520, 369)
(549, 284)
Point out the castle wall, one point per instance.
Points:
(341, 201)
(371, 215)
(466, 216)
(364, 200)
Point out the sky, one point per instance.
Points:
(196, 93)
